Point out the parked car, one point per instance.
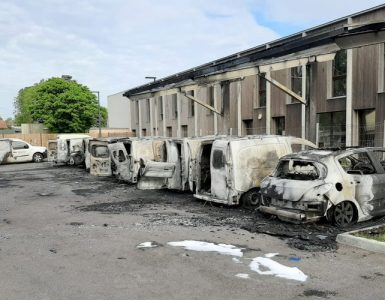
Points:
(229, 169)
(16, 150)
(345, 186)
(71, 148)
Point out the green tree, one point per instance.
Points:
(22, 105)
(62, 105)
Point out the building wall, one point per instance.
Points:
(119, 111)
(247, 117)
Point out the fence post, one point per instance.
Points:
(317, 134)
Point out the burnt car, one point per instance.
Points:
(345, 186)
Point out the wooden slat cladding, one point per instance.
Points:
(365, 63)
(278, 97)
(249, 91)
(380, 117)
(293, 119)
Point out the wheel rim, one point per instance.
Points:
(38, 158)
(253, 198)
(344, 213)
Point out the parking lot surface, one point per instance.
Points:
(67, 235)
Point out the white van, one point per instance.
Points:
(71, 148)
(128, 155)
(230, 170)
(178, 166)
(98, 156)
(16, 150)
(52, 150)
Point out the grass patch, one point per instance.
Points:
(377, 234)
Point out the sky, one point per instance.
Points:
(111, 45)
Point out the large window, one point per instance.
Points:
(279, 123)
(261, 91)
(332, 129)
(191, 108)
(296, 81)
(367, 127)
(148, 110)
(160, 107)
(174, 106)
(210, 98)
(339, 74)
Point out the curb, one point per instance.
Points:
(349, 239)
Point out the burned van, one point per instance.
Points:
(71, 148)
(175, 169)
(98, 159)
(230, 170)
(128, 155)
(52, 150)
(345, 186)
(5, 150)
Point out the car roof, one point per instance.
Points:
(323, 153)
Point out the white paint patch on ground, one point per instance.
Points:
(276, 269)
(243, 275)
(269, 255)
(146, 245)
(236, 260)
(208, 247)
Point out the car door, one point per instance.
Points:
(219, 170)
(5, 150)
(121, 161)
(368, 182)
(20, 151)
(99, 159)
(52, 150)
(378, 158)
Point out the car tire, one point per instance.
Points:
(37, 157)
(344, 214)
(252, 198)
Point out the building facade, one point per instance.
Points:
(325, 84)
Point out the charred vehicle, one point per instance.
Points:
(130, 155)
(98, 159)
(52, 150)
(345, 186)
(71, 148)
(176, 166)
(229, 170)
(16, 150)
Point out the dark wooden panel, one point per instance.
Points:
(365, 63)
(318, 87)
(259, 124)
(380, 117)
(278, 98)
(248, 97)
(293, 119)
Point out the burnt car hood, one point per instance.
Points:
(287, 189)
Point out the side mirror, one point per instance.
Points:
(26, 146)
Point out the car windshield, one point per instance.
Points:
(100, 151)
(297, 169)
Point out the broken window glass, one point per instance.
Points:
(299, 170)
(339, 74)
(357, 163)
(100, 151)
(218, 159)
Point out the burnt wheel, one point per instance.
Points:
(37, 157)
(344, 214)
(252, 198)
